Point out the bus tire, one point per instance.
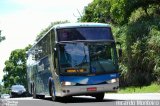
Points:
(52, 90)
(100, 96)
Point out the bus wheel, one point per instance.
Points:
(51, 91)
(99, 96)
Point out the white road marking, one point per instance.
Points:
(24, 98)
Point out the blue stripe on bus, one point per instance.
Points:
(89, 79)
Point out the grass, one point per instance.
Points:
(153, 88)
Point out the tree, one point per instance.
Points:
(0, 89)
(115, 11)
(121, 10)
(15, 69)
(1, 37)
(135, 24)
(97, 11)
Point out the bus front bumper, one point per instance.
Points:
(88, 89)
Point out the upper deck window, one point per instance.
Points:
(84, 33)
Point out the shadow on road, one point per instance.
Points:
(79, 100)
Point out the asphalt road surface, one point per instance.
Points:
(148, 99)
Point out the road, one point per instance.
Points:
(148, 99)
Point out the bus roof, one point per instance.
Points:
(72, 25)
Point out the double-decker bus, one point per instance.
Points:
(74, 59)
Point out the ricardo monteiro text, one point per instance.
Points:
(148, 103)
(138, 103)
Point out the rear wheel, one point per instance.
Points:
(99, 96)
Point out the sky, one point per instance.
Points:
(22, 20)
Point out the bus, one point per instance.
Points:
(74, 59)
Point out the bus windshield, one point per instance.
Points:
(87, 58)
(84, 33)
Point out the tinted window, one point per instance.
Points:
(42, 48)
(87, 33)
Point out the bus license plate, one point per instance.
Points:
(92, 89)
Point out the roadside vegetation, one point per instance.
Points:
(153, 88)
(136, 25)
(15, 69)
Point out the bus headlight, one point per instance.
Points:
(113, 80)
(66, 83)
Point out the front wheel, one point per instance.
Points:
(99, 96)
